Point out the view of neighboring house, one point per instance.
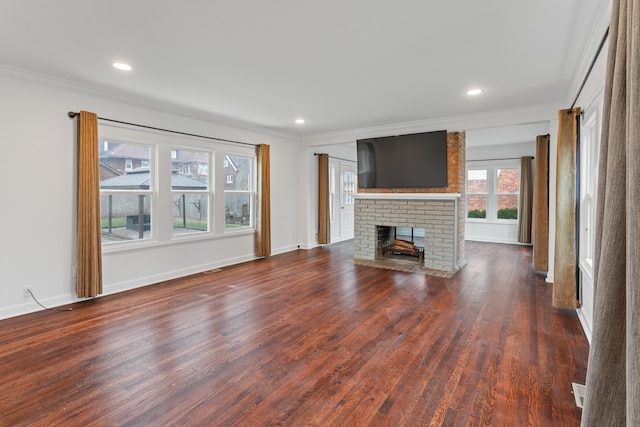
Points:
(123, 157)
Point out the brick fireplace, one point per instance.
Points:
(440, 211)
(437, 214)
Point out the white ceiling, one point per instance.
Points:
(340, 64)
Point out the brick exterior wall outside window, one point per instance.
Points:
(508, 181)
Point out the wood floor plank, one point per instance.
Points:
(304, 338)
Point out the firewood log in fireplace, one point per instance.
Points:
(404, 247)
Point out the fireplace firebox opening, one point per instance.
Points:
(399, 243)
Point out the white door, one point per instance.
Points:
(348, 190)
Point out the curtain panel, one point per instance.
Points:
(613, 373)
(526, 200)
(565, 281)
(324, 219)
(263, 202)
(540, 226)
(89, 243)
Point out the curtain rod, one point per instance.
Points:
(334, 157)
(73, 115)
(593, 62)
(507, 158)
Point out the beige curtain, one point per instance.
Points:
(613, 373)
(540, 226)
(324, 221)
(526, 200)
(565, 293)
(89, 255)
(263, 203)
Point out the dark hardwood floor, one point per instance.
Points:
(304, 339)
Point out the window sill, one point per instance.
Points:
(175, 240)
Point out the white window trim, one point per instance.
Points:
(589, 154)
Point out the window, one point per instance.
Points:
(229, 179)
(190, 192)
(476, 193)
(332, 193)
(125, 196)
(238, 194)
(589, 148)
(155, 191)
(348, 187)
(507, 192)
(493, 192)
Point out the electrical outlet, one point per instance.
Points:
(26, 291)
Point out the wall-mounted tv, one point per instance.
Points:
(417, 160)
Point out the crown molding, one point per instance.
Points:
(497, 118)
(139, 101)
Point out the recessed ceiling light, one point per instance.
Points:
(474, 92)
(122, 66)
(300, 121)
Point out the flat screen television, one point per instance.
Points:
(417, 160)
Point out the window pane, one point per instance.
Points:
(477, 181)
(237, 210)
(125, 217)
(477, 206)
(508, 206)
(507, 189)
(508, 181)
(127, 169)
(189, 170)
(116, 158)
(190, 213)
(237, 169)
(348, 187)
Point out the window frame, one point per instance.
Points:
(151, 192)
(204, 192)
(163, 152)
(497, 194)
(492, 167)
(251, 191)
(589, 158)
(467, 194)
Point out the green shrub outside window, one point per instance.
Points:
(477, 213)
(507, 213)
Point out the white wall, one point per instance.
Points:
(38, 181)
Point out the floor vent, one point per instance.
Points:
(578, 394)
(215, 270)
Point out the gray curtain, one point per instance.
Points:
(613, 373)
(526, 200)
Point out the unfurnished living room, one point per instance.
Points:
(296, 213)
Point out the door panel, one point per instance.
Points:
(348, 191)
